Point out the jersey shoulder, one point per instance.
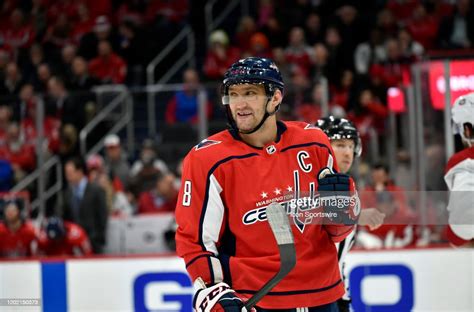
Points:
(302, 132)
(459, 157)
(216, 148)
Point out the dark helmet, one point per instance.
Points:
(55, 228)
(254, 70)
(341, 128)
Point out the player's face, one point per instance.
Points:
(344, 152)
(247, 104)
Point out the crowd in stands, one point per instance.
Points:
(53, 52)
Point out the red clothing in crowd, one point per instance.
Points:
(51, 127)
(424, 31)
(24, 156)
(402, 10)
(215, 67)
(75, 242)
(19, 38)
(108, 69)
(151, 202)
(174, 11)
(17, 244)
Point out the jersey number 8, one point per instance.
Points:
(187, 193)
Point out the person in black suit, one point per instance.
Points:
(84, 203)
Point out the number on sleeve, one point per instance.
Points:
(187, 193)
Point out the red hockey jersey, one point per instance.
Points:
(460, 180)
(222, 230)
(75, 242)
(21, 243)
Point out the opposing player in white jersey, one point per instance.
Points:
(459, 175)
(346, 143)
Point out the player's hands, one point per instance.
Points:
(371, 217)
(218, 298)
(335, 195)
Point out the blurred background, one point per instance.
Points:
(101, 100)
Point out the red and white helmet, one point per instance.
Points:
(463, 113)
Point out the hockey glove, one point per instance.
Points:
(217, 298)
(335, 196)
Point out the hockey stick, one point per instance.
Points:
(280, 225)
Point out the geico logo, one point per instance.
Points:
(457, 83)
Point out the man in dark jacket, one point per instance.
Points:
(84, 203)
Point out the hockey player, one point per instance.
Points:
(230, 178)
(18, 237)
(62, 238)
(346, 143)
(460, 175)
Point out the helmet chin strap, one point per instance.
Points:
(264, 118)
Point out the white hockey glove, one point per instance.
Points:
(217, 298)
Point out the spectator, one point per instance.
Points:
(12, 84)
(183, 106)
(43, 75)
(144, 170)
(132, 45)
(51, 124)
(298, 54)
(370, 52)
(314, 32)
(343, 90)
(108, 67)
(57, 35)
(245, 31)
(116, 164)
(64, 66)
(84, 25)
(5, 120)
(423, 27)
(102, 30)
(219, 56)
(162, 198)
(410, 49)
(36, 58)
(117, 202)
(20, 154)
(275, 33)
(84, 203)
(457, 31)
(17, 235)
(17, 35)
(80, 78)
(63, 238)
(259, 46)
(131, 11)
(63, 106)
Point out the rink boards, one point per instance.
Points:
(431, 279)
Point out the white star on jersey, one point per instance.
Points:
(264, 195)
(289, 189)
(277, 191)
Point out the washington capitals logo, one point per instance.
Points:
(206, 143)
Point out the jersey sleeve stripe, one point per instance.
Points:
(205, 207)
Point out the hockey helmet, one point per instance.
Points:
(341, 128)
(462, 114)
(55, 228)
(253, 70)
